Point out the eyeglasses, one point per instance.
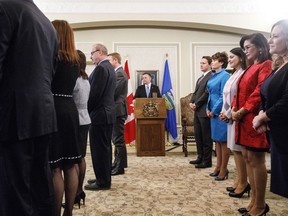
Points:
(94, 52)
(246, 48)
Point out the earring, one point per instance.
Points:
(260, 52)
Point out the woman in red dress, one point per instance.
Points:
(246, 106)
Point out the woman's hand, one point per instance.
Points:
(260, 122)
(210, 114)
(223, 117)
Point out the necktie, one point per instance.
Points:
(147, 91)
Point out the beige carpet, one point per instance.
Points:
(159, 186)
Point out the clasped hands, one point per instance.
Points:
(260, 122)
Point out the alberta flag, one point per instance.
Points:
(167, 94)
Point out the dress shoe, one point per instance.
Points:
(117, 172)
(203, 165)
(239, 195)
(91, 181)
(242, 210)
(224, 178)
(95, 187)
(214, 174)
(230, 189)
(197, 161)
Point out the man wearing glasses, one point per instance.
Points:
(101, 108)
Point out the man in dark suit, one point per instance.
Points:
(101, 108)
(120, 152)
(28, 50)
(147, 90)
(202, 127)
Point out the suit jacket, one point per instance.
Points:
(141, 91)
(101, 104)
(200, 96)
(28, 51)
(121, 92)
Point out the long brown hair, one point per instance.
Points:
(67, 50)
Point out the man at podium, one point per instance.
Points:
(147, 89)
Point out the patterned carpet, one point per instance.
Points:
(160, 186)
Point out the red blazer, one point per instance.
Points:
(248, 96)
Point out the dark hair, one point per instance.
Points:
(261, 43)
(239, 52)
(82, 62)
(147, 74)
(221, 57)
(208, 58)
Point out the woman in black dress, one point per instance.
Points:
(64, 152)
(273, 119)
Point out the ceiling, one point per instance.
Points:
(238, 15)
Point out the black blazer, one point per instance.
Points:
(277, 109)
(141, 91)
(200, 96)
(101, 104)
(28, 51)
(121, 92)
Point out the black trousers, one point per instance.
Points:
(101, 152)
(26, 186)
(203, 139)
(118, 132)
(118, 140)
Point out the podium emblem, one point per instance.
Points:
(151, 109)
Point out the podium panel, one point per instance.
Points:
(150, 116)
(150, 137)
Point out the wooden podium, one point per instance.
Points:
(150, 114)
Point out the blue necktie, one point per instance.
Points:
(147, 91)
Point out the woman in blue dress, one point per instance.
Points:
(215, 87)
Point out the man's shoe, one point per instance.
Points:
(91, 181)
(96, 187)
(203, 165)
(117, 172)
(197, 161)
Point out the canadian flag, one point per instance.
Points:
(129, 128)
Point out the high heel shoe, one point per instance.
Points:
(78, 198)
(266, 210)
(222, 179)
(242, 210)
(214, 174)
(239, 195)
(230, 189)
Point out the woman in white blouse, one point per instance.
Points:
(237, 61)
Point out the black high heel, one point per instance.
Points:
(230, 189)
(266, 210)
(222, 179)
(242, 210)
(214, 174)
(239, 195)
(78, 198)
